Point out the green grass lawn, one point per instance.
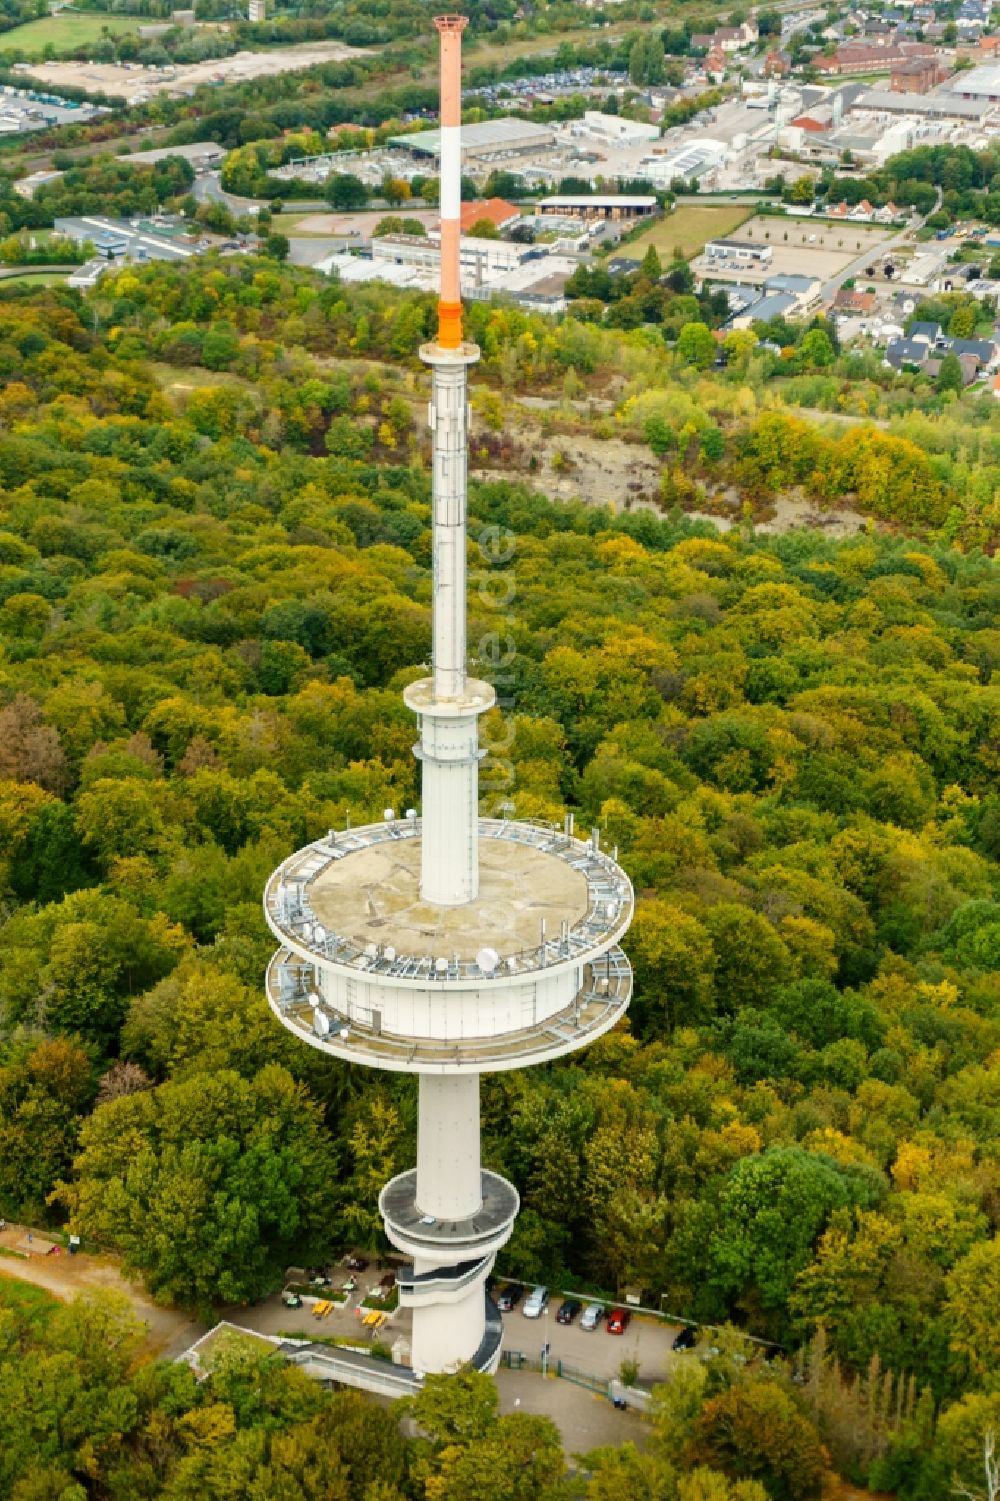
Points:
(689, 227)
(30, 1303)
(35, 278)
(65, 31)
(183, 379)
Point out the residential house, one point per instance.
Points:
(930, 334)
(850, 300)
(983, 351)
(715, 64)
(900, 352)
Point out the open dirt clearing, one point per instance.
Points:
(131, 81)
(598, 471)
(347, 224)
(64, 1276)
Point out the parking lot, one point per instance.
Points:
(646, 1340)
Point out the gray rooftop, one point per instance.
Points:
(940, 106)
(489, 135)
(195, 152)
(776, 305)
(983, 81)
(398, 1204)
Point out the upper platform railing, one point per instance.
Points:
(290, 914)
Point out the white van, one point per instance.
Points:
(536, 1303)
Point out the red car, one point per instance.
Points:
(618, 1320)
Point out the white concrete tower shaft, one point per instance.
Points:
(391, 957)
(449, 703)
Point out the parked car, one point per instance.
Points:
(508, 1298)
(592, 1316)
(618, 1320)
(291, 1300)
(568, 1310)
(686, 1340)
(536, 1303)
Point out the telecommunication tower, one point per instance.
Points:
(449, 944)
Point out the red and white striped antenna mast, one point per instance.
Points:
(450, 30)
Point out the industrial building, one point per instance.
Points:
(121, 239)
(982, 84)
(201, 155)
(610, 206)
(739, 253)
(489, 141)
(482, 260)
(86, 277)
(693, 161)
(944, 106)
(618, 128)
(27, 187)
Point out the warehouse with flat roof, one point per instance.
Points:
(979, 83)
(600, 206)
(930, 106)
(198, 153)
(489, 141)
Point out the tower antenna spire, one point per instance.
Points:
(448, 704)
(450, 30)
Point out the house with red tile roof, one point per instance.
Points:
(497, 211)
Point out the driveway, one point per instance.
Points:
(584, 1419)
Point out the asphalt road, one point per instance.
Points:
(856, 267)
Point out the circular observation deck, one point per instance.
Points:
(422, 1234)
(529, 971)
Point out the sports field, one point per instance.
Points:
(689, 228)
(65, 31)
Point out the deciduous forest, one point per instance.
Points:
(214, 582)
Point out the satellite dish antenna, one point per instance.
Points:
(388, 953)
(487, 959)
(314, 1000)
(441, 965)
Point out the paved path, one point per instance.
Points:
(170, 1331)
(585, 1420)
